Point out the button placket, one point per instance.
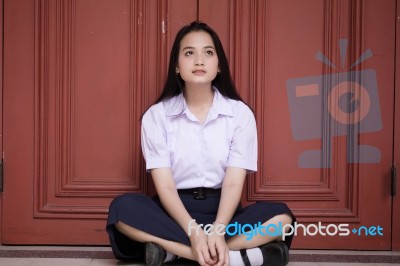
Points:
(203, 153)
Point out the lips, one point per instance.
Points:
(199, 72)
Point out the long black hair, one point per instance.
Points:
(174, 84)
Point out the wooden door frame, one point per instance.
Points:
(1, 107)
(396, 139)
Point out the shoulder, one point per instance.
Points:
(240, 109)
(243, 108)
(232, 107)
(155, 111)
(241, 113)
(166, 108)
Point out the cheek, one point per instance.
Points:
(215, 64)
(183, 64)
(215, 67)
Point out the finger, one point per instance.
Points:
(213, 261)
(227, 257)
(221, 256)
(207, 257)
(202, 262)
(213, 250)
(199, 256)
(200, 259)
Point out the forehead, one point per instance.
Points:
(197, 39)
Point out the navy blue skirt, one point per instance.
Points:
(148, 215)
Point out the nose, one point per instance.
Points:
(199, 60)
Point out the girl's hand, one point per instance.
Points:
(218, 248)
(199, 244)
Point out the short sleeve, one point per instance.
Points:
(154, 138)
(243, 148)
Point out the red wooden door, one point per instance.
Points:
(78, 74)
(320, 77)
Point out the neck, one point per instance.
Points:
(199, 96)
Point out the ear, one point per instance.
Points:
(177, 70)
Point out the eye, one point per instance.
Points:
(209, 52)
(189, 53)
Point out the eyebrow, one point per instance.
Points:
(191, 47)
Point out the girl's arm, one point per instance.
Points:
(166, 190)
(230, 197)
(231, 193)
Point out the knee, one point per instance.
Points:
(284, 219)
(122, 227)
(282, 211)
(286, 216)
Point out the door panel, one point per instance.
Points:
(84, 117)
(325, 156)
(77, 83)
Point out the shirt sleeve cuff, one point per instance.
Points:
(157, 163)
(250, 166)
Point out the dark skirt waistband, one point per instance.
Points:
(200, 192)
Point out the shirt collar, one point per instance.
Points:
(221, 105)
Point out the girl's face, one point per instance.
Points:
(198, 60)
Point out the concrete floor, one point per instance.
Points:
(96, 256)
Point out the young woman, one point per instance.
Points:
(199, 141)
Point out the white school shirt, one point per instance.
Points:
(198, 154)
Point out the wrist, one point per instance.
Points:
(219, 228)
(216, 222)
(193, 228)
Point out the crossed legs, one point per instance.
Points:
(235, 243)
